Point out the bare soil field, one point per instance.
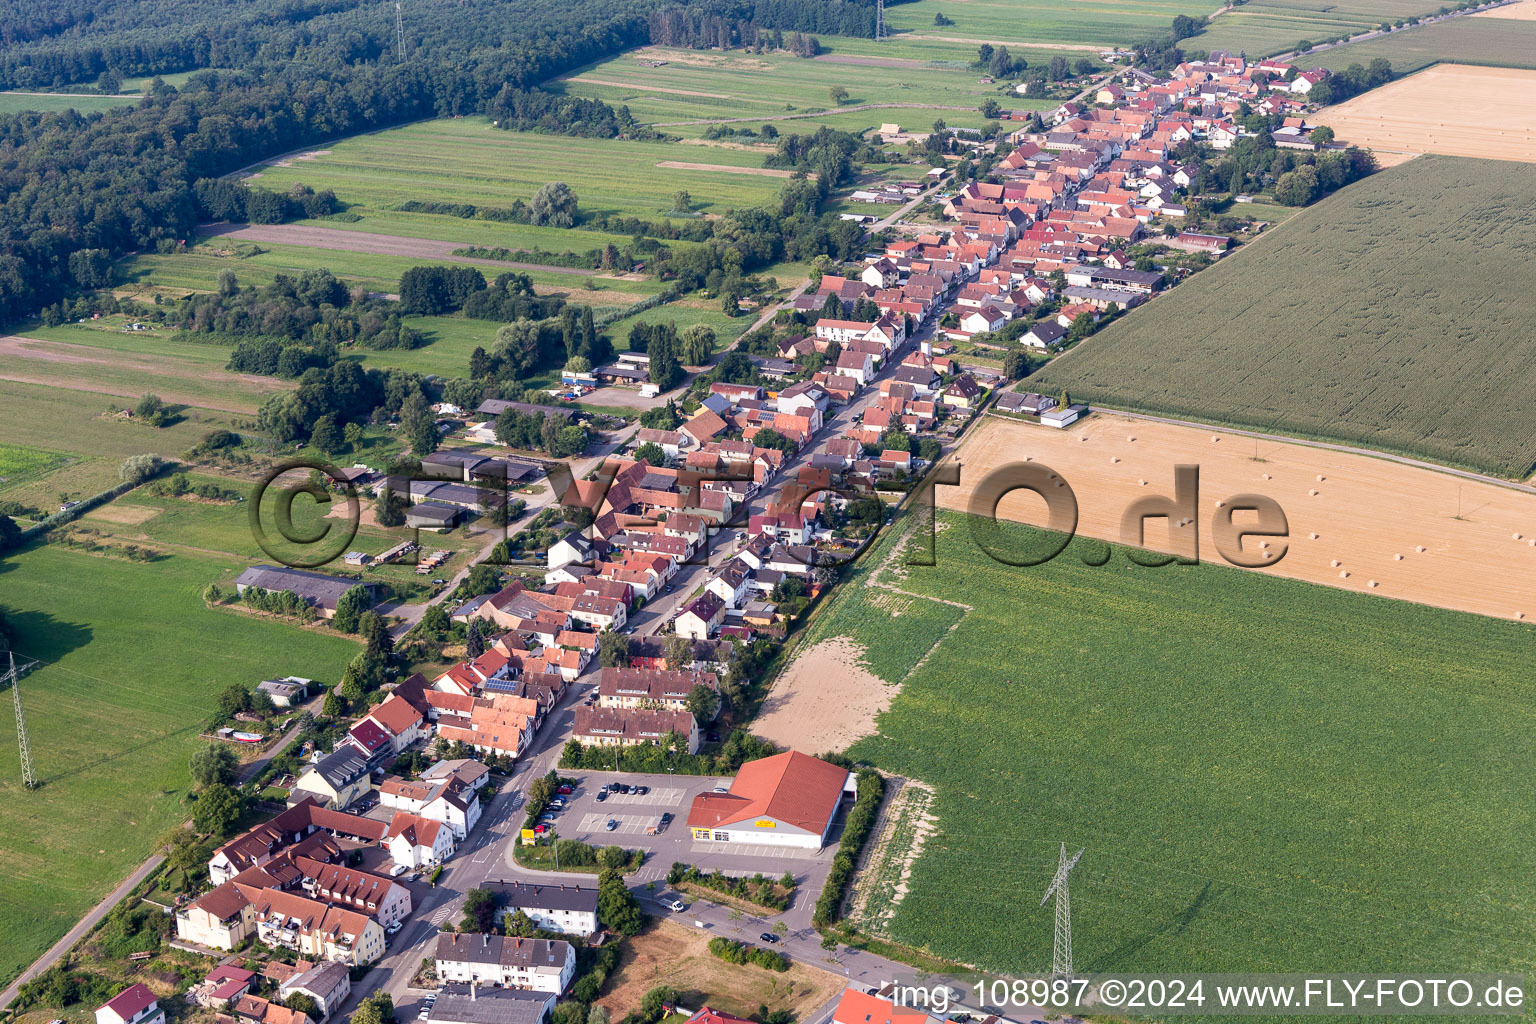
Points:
(1454, 109)
(824, 700)
(666, 953)
(1523, 11)
(1355, 522)
(761, 172)
(124, 515)
(362, 241)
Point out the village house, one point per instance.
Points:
(615, 727)
(541, 965)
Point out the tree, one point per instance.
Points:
(990, 109)
(9, 531)
(838, 95)
(520, 924)
(678, 650)
(929, 449)
(474, 641)
(616, 905)
(1298, 187)
(217, 809)
(370, 625)
(612, 649)
(682, 202)
(327, 435)
(1322, 135)
(214, 765)
(652, 453)
(349, 609)
(424, 437)
(138, 468)
(183, 850)
(304, 1003)
(554, 205)
(333, 706)
(435, 620)
(233, 699)
(389, 509)
(1015, 365)
(480, 911)
(703, 702)
(378, 1008)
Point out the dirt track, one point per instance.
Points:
(1385, 523)
(1450, 108)
(362, 241)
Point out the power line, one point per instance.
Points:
(879, 20)
(1061, 952)
(28, 779)
(399, 32)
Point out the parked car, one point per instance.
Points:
(558, 801)
(540, 828)
(565, 790)
(621, 787)
(769, 937)
(612, 824)
(676, 906)
(602, 795)
(642, 790)
(394, 929)
(398, 870)
(666, 818)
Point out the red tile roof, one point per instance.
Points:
(792, 787)
(132, 1000)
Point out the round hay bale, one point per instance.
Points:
(1344, 574)
(1370, 583)
(1263, 543)
(1335, 563)
(1321, 478)
(1519, 615)
(1313, 492)
(1269, 554)
(1215, 439)
(1142, 482)
(1397, 558)
(1131, 437)
(1114, 459)
(1421, 549)
(1312, 536)
(1517, 537)
(1264, 476)
(1221, 504)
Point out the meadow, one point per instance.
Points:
(133, 661)
(1048, 22)
(1263, 27)
(1497, 42)
(85, 103)
(466, 160)
(1266, 775)
(706, 84)
(18, 463)
(1367, 318)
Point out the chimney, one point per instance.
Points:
(471, 989)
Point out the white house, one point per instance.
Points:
(987, 318)
(573, 547)
(134, 1005)
(418, 842)
(560, 907)
(328, 984)
(701, 618)
(1044, 334)
(542, 965)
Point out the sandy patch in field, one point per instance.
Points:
(702, 58)
(125, 515)
(824, 700)
(761, 172)
(1453, 109)
(1385, 160)
(648, 88)
(1523, 11)
(668, 953)
(1375, 521)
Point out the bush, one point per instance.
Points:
(861, 819)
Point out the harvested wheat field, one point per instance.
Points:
(1525, 10)
(1355, 522)
(824, 700)
(1453, 109)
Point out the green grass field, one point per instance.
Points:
(16, 102)
(467, 160)
(695, 84)
(1499, 42)
(1266, 775)
(1044, 22)
(1273, 26)
(1369, 318)
(19, 464)
(198, 270)
(133, 660)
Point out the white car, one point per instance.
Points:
(398, 870)
(677, 906)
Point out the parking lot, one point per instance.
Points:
(586, 818)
